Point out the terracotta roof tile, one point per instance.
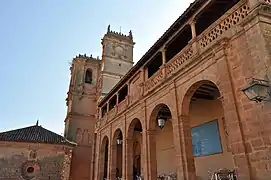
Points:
(36, 134)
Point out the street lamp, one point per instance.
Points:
(258, 90)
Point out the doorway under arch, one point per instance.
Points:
(117, 155)
(104, 158)
(134, 150)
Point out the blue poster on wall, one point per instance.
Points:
(206, 139)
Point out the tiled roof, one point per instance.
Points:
(34, 134)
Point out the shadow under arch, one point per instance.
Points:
(191, 91)
(205, 141)
(134, 144)
(117, 155)
(104, 158)
(159, 110)
(162, 148)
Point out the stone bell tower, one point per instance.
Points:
(80, 120)
(117, 59)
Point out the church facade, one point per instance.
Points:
(196, 102)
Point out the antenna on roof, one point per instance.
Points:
(37, 123)
(120, 29)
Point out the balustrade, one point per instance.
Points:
(177, 61)
(122, 105)
(211, 34)
(154, 80)
(223, 24)
(111, 114)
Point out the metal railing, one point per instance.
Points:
(222, 174)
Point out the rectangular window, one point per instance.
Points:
(206, 139)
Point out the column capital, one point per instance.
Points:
(164, 49)
(193, 21)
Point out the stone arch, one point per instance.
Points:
(104, 157)
(117, 155)
(134, 136)
(152, 123)
(162, 147)
(201, 108)
(135, 122)
(191, 90)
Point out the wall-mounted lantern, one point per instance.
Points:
(161, 121)
(258, 90)
(119, 140)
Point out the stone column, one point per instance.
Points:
(194, 35)
(183, 141)
(128, 94)
(113, 161)
(144, 155)
(129, 159)
(230, 100)
(123, 158)
(164, 57)
(164, 60)
(100, 113)
(109, 155)
(151, 159)
(143, 81)
(193, 29)
(117, 101)
(186, 149)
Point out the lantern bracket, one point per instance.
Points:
(258, 90)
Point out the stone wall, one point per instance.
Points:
(228, 61)
(21, 161)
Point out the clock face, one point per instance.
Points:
(119, 50)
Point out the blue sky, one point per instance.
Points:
(38, 39)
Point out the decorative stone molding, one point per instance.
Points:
(223, 24)
(178, 60)
(30, 169)
(153, 81)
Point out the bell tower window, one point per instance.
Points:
(88, 76)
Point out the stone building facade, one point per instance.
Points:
(34, 153)
(180, 110)
(91, 79)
